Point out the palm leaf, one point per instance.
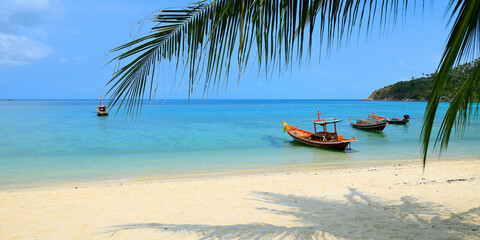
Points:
(462, 42)
(460, 109)
(206, 36)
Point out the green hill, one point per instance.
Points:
(419, 89)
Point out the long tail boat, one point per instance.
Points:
(322, 138)
(101, 109)
(405, 119)
(369, 124)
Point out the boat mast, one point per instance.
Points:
(318, 114)
(315, 125)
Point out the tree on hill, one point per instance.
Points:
(206, 36)
(420, 88)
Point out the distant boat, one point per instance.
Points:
(405, 119)
(10, 99)
(319, 139)
(369, 124)
(101, 109)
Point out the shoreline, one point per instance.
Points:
(213, 173)
(393, 201)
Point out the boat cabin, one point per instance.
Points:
(325, 135)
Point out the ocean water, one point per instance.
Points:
(56, 141)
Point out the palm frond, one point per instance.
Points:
(460, 109)
(463, 42)
(205, 37)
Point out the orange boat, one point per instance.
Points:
(321, 138)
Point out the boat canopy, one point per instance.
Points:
(324, 122)
(327, 121)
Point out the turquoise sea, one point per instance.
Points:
(56, 141)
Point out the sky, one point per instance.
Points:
(56, 49)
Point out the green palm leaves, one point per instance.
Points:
(464, 41)
(167, 41)
(206, 38)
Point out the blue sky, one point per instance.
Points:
(55, 49)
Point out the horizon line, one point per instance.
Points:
(203, 99)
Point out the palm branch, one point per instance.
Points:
(463, 42)
(207, 37)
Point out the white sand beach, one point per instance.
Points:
(385, 202)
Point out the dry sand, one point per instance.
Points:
(387, 202)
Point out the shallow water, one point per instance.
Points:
(44, 141)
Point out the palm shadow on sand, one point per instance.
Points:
(359, 215)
